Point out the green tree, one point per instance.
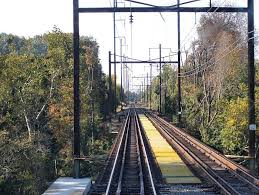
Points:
(233, 135)
(36, 115)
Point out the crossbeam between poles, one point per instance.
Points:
(161, 9)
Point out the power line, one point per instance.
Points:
(222, 52)
(129, 58)
(200, 70)
(185, 74)
(172, 54)
(185, 40)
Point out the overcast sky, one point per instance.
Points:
(31, 17)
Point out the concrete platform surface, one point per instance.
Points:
(69, 186)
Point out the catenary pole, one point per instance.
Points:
(121, 88)
(114, 52)
(110, 84)
(76, 143)
(251, 84)
(160, 78)
(179, 65)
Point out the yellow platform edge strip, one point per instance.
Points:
(173, 169)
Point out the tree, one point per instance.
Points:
(218, 59)
(233, 135)
(36, 115)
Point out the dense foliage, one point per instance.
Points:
(214, 84)
(36, 109)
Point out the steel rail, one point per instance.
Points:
(121, 159)
(142, 189)
(117, 140)
(145, 155)
(118, 191)
(211, 153)
(126, 124)
(119, 187)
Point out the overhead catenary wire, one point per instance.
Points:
(224, 49)
(117, 33)
(204, 67)
(193, 71)
(170, 55)
(195, 25)
(213, 48)
(185, 40)
(129, 58)
(160, 15)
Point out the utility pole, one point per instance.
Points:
(92, 102)
(144, 93)
(179, 65)
(251, 84)
(124, 81)
(76, 144)
(121, 91)
(150, 87)
(160, 79)
(126, 84)
(114, 51)
(147, 90)
(110, 85)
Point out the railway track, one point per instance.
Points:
(226, 175)
(127, 163)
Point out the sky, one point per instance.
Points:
(32, 17)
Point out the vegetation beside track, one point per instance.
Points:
(214, 85)
(36, 110)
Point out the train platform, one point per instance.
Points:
(69, 186)
(173, 169)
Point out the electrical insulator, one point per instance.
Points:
(131, 18)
